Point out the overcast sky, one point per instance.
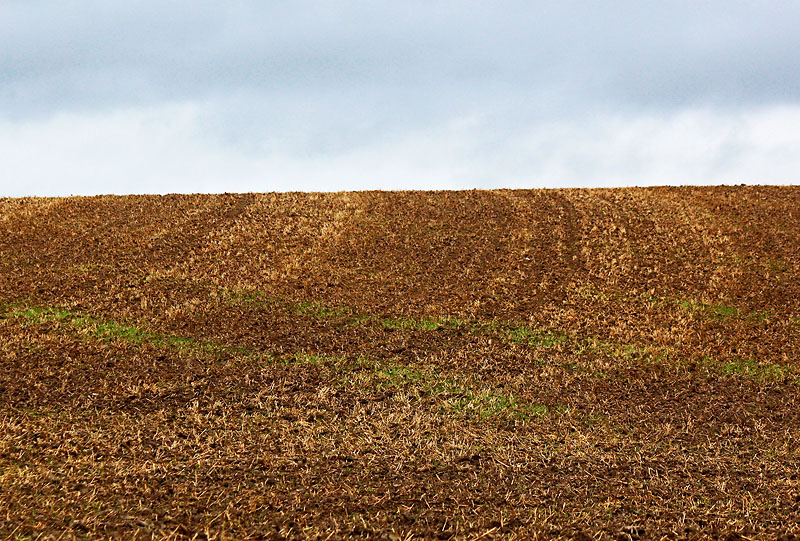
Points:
(193, 96)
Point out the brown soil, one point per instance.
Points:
(574, 364)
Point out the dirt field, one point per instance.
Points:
(509, 364)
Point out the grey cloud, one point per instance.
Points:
(653, 54)
(497, 88)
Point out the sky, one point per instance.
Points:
(182, 96)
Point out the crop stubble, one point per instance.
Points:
(562, 363)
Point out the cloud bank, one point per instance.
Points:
(150, 97)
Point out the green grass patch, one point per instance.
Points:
(758, 370)
(488, 403)
(245, 296)
(722, 312)
(507, 331)
(99, 328)
(758, 317)
(761, 371)
(713, 311)
(423, 323)
(106, 329)
(777, 266)
(400, 376)
(313, 309)
(533, 337)
(360, 320)
(449, 394)
(733, 260)
(516, 333)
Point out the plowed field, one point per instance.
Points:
(487, 364)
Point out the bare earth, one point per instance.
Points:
(576, 364)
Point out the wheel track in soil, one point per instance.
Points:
(572, 240)
(565, 268)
